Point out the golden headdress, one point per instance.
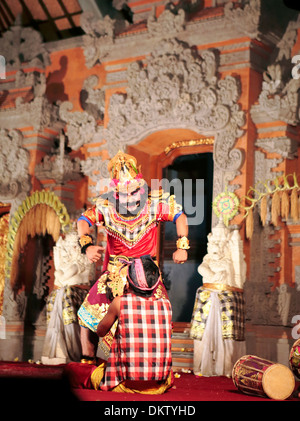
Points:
(125, 176)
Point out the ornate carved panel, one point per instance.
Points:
(178, 89)
(14, 162)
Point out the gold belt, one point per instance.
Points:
(117, 259)
(221, 287)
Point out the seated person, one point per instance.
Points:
(140, 359)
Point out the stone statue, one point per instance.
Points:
(72, 278)
(218, 319)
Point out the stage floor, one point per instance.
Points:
(39, 381)
(187, 388)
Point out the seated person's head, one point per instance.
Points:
(143, 276)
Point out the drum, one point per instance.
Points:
(256, 376)
(294, 359)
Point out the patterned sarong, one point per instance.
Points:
(232, 314)
(73, 297)
(96, 303)
(141, 350)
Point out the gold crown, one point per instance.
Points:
(124, 172)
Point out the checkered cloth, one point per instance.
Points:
(142, 346)
(232, 306)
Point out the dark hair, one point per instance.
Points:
(151, 273)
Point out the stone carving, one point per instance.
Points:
(93, 100)
(96, 169)
(246, 18)
(217, 324)
(38, 112)
(72, 273)
(176, 88)
(14, 306)
(264, 169)
(23, 45)
(59, 166)
(71, 266)
(14, 162)
(35, 79)
(81, 126)
(282, 145)
(167, 23)
(98, 39)
(224, 262)
(267, 306)
(279, 97)
(288, 40)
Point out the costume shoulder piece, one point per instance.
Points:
(102, 202)
(165, 201)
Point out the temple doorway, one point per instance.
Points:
(182, 281)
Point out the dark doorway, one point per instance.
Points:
(182, 281)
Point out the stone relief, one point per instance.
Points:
(93, 100)
(176, 88)
(279, 98)
(246, 18)
(98, 38)
(14, 162)
(267, 304)
(38, 112)
(167, 23)
(71, 266)
(23, 45)
(35, 79)
(59, 166)
(81, 126)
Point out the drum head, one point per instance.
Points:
(278, 382)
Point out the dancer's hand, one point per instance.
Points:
(180, 256)
(94, 253)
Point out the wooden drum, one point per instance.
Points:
(256, 376)
(294, 359)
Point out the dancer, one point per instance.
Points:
(130, 215)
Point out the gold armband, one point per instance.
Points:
(183, 243)
(85, 241)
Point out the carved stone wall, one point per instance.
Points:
(223, 72)
(270, 285)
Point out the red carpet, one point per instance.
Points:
(41, 381)
(187, 388)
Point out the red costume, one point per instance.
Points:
(126, 237)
